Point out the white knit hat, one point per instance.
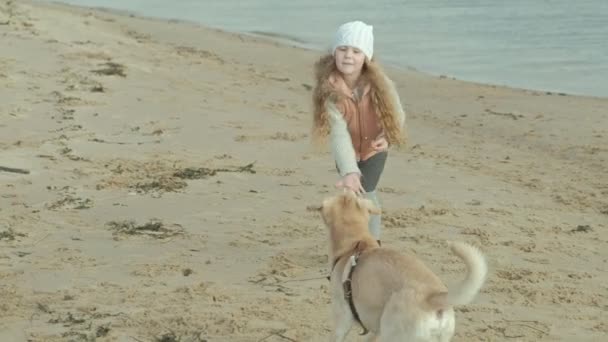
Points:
(356, 34)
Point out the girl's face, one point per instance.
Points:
(349, 60)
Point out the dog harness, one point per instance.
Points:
(347, 286)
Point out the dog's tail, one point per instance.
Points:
(467, 289)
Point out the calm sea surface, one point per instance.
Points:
(552, 45)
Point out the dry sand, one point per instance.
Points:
(168, 195)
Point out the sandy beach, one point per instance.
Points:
(159, 180)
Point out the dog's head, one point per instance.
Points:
(347, 209)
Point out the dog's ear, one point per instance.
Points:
(370, 206)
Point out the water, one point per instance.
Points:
(551, 45)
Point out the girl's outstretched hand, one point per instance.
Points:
(351, 181)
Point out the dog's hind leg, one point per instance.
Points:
(342, 325)
(342, 318)
(398, 323)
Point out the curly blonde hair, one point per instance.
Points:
(381, 98)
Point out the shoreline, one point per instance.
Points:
(289, 40)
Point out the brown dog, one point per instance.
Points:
(393, 295)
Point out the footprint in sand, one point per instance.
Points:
(278, 136)
(156, 270)
(484, 237)
(290, 229)
(110, 69)
(67, 114)
(67, 152)
(197, 54)
(259, 238)
(389, 190)
(87, 54)
(138, 36)
(62, 100)
(74, 81)
(68, 200)
(17, 112)
(154, 228)
(285, 266)
(13, 15)
(522, 274)
(405, 218)
(9, 234)
(285, 111)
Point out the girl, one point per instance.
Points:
(358, 108)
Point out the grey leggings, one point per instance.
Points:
(371, 169)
